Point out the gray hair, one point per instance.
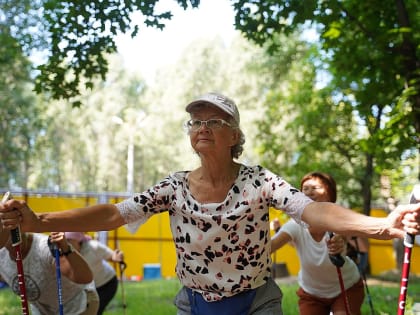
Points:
(238, 148)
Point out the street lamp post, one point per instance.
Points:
(130, 164)
(130, 148)
(130, 155)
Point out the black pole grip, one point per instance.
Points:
(15, 233)
(414, 198)
(336, 259)
(16, 237)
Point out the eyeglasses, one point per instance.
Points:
(195, 124)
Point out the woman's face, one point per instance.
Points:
(207, 139)
(315, 189)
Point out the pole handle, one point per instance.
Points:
(123, 265)
(336, 259)
(408, 245)
(414, 198)
(409, 240)
(16, 241)
(15, 233)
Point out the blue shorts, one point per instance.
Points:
(264, 300)
(238, 304)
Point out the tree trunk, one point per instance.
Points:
(367, 184)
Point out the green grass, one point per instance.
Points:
(155, 297)
(146, 297)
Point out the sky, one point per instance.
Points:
(153, 48)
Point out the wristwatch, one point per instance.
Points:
(68, 252)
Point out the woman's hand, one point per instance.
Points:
(14, 213)
(411, 221)
(405, 218)
(117, 256)
(60, 239)
(337, 244)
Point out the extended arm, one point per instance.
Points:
(94, 218)
(332, 217)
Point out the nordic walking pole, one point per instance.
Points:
(338, 261)
(56, 252)
(363, 274)
(408, 246)
(16, 241)
(122, 266)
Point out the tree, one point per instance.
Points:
(82, 148)
(370, 49)
(20, 124)
(75, 37)
(302, 130)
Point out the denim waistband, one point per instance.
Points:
(238, 304)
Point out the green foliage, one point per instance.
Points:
(77, 36)
(83, 149)
(358, 127)
(370, 50)
(20, 123)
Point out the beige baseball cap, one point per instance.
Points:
(218, 100)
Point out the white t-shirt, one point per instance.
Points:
(96, 255)
(222, 248)
(41, 280)
(317, 275)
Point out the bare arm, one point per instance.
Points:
(100, 217)
(75, 268)
(94, 218)
(332, 217)
(279, 240)
(72, 266)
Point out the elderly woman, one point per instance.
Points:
(219, 218)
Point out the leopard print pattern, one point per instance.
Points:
(222, 248)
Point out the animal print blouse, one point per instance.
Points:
(222, 248)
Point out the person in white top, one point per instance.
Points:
(97, 256)
(78, 292)
(320, 292)
(219, 217)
